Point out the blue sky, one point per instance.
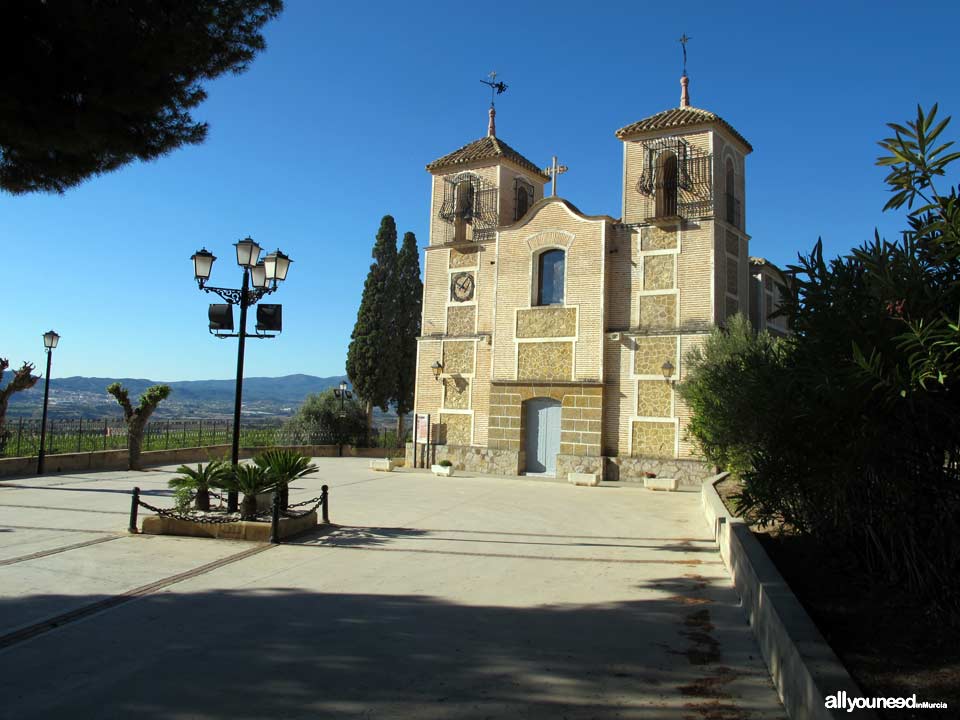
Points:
(333, 124)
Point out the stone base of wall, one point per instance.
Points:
(471, 458)
(689, 474)
(591, 464)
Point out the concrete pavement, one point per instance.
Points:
(464, 597)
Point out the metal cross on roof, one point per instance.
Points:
(553, 170)
(683, 41)
(496, 88)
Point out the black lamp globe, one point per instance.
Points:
(50, 339)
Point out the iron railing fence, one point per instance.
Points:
(22, 436)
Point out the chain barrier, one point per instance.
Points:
(234, 517)
(190, 518)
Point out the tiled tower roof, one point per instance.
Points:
(486, 148)
(677, 118)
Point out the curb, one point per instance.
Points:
(803, 667)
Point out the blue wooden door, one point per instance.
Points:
(543, 435)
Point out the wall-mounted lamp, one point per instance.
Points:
(667, 370)
(437, 368)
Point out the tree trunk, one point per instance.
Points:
(248, 508)
(399, 429)
(135, 444)
(203, 498)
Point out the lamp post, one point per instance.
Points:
(343, 394)
(50, 339)
(265, 277)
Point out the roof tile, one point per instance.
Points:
(486, 148)
(679, 117)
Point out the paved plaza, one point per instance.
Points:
(431, 598)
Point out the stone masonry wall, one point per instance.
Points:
(547, 322)
(545, 361)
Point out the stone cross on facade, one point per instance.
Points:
(553, 171)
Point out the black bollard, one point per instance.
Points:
(134, 506)
(325, 496)
(275, 519)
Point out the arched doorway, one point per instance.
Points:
(542, 424)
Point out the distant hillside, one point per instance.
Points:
(87, 396)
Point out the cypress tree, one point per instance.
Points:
(408, 310)
(371, 357)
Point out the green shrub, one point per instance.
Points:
(283, 466)
(733, 389)
(200, 481)
(445, 463)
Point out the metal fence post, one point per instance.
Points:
(166, 445)
(134, 505)
(19, 435)
(275, 518)
(200, 435)
(106, 431)
(79, 433)
(325, 498)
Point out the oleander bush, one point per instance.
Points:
(849, 432)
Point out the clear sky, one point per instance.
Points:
(333, 124)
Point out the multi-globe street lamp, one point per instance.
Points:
(344, 394)
(50, 339)
(265, 276)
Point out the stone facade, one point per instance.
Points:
(653, 439)
(456, 393)
(654, 398)
(461, 320)
(652, 352)
(544, 322)
(544, 361)
(458, 358)
(637, 291)
(656, 238)
(658, 272)
(658, 312)
(689, 474)
(453, 429)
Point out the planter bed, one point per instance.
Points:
(883, 635)
(252, 530)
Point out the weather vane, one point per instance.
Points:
(496, 88)
(683, 41)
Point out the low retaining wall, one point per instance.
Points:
(118, 459)
(689, 474)
(471, 458)
(804, 668)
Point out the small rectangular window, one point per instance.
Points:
(550, 272)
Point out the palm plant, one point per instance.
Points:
(283, 466)
(251, 480)
(200, 481)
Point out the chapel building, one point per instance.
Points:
(552, 340)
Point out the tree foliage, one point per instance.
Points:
(734, 373)
(137, 417)
(408, 313)
(23, 379)
(372, 356)
(318, 421)
(91, 85)
(861, 449)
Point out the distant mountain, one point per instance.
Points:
(87, 396)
